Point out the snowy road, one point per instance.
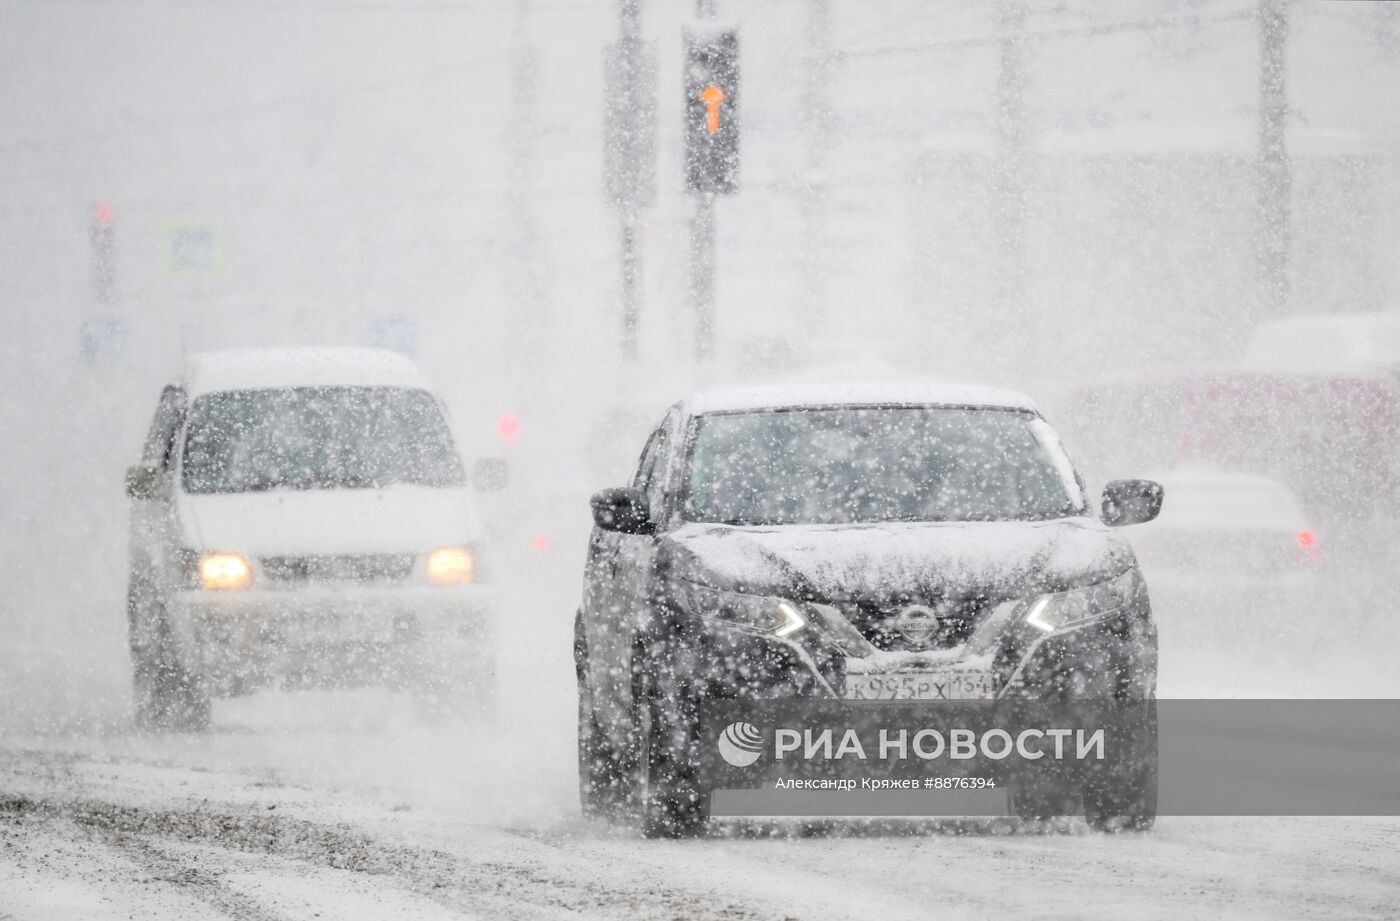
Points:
(118, 828)
(356, 804)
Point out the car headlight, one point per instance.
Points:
(451, 566)
(1062, 610)
(224, 571)
(765, 613)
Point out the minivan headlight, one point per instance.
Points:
(1063, 610)
(451, 566)
(766, 613)
(224, 571)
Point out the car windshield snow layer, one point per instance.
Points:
(870, 464)
(317, 438)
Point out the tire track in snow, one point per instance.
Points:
(492, 888)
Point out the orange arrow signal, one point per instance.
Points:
(712, 96)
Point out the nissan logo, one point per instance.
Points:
(917, 623)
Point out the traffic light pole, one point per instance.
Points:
(702, 250)
(702, 274)
(711, 132)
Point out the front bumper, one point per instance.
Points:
(239, 640)
(1113, 658)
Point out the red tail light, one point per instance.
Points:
(540, 542)
(1307, 542)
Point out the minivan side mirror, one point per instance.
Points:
(491, 474)
(147, 481)
(1128, 502)
(622, 509)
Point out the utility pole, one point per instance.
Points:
(711, 132)
(525, 289)
(1273, 172)
(1009, 212)
(816, 134)
(629, 155)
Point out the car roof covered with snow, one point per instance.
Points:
(261, 369)
(788, 396)
(1206, 497)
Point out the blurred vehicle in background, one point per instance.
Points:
(537, 523)
(1327, 344)
(1333, 439)
(301, 515)
(1229, 551)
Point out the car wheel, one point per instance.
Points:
(672, 805)
(1123, 796)
(604, 771)
(169, 697)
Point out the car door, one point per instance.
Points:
(615, 600)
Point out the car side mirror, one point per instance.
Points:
(147, 481)
(1128, 502)
(490, 474)
(622, 509)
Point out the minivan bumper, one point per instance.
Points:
(240, 640)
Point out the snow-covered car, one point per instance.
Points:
(300, 515)
(1229, 550)
(1333, 439)
(824, 541)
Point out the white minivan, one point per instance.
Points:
(302, 516)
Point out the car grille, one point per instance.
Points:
(369, 567)
(880, 622)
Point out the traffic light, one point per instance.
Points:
(711, 110)
(103, 250)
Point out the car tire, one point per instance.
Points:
(168, 696)
(1123, 796)
(649, 781)
(671, 802)
(604, 769)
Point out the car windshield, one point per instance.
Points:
(317, 438)
(832, 466)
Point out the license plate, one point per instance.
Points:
(946, 685)
(340, 629)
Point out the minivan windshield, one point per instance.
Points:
(317, 438)
(867, 464)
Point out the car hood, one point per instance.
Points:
(889, 560)
(398, 519)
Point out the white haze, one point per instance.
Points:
(377, 165)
